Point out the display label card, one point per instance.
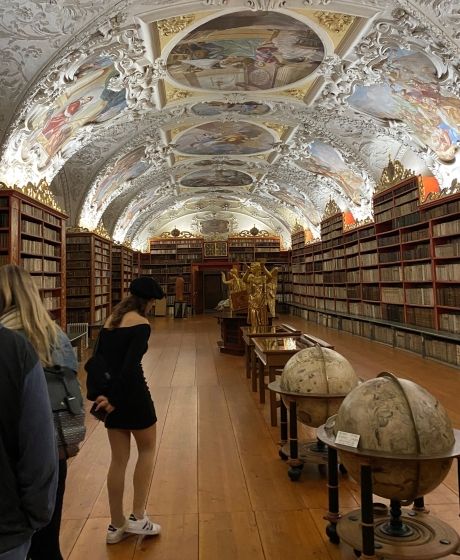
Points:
(345, 438)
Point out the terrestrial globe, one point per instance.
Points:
(318, 379)
(400, 425)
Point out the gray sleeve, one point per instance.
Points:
(63, 354)
(37, 465)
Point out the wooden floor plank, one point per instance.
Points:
(91, 543)
(174, 486)
(229, 536)
(268, 488)
(290, 534)
(178, 539)
(222, 486)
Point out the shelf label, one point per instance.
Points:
(345, 438)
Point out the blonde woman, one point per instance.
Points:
(22, 310)
(123, 342)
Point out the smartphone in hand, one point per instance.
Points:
(100, 414)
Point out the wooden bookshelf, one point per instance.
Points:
(169, 258)
(32, 235)
(396, 280)
(122, 272)
(89, 290)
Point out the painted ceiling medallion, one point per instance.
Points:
(246, 51)
(212, 108)
(224, 138)
(217, 178)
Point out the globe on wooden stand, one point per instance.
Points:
(313, 385)
(405, 450)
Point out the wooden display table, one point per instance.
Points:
(272, 354)
(249, 333)
(230, 331)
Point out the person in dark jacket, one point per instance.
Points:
(28, 454)
(22, 310)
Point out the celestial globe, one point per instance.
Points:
(318, 379)
(400, 425)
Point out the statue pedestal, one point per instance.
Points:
(230, 331)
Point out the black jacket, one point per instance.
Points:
(28, 456)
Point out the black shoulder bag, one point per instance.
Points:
(67, 405)
(98, 377)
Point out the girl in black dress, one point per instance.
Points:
(123, 342)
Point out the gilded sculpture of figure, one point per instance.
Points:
(258, 280)
(272, 286)
(236, 289)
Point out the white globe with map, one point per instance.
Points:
(318, 379)
(399, 423)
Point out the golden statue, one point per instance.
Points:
(272, 287)
(237, 294)
(260, 289)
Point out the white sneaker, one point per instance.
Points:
(115, 535)
(142, 526)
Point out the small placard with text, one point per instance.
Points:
(345, 438)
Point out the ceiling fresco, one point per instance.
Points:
(410, 93)
(246, 51)
(224, 138)
(217, 178)
(212, 108)
(164, 110)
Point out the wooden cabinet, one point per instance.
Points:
(32, 235)
(89, 289)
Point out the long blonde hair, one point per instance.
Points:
(18, 290)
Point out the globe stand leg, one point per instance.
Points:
(419, 505)
(367, 513)
(283, 423)
(295, 464)
(333, 514)
(318, 447)
(395, 527)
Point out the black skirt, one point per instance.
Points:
(136, 412)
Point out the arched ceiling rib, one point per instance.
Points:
(150, 112)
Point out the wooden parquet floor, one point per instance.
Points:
(219, 489)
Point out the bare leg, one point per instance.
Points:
(120, 446)
(146, 442)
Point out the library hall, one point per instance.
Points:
(229, 279)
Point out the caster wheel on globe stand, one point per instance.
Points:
(331, 532)
(294, 473)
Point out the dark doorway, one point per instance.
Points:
(212, 289)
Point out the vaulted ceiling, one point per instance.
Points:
(149, 115)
